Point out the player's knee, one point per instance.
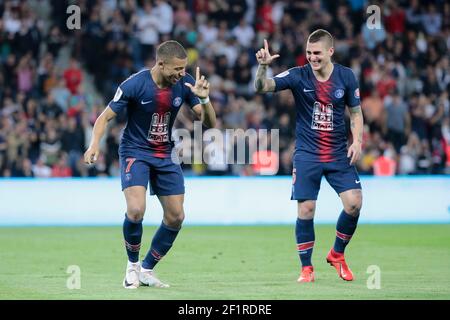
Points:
(174, 218)
(353, 202)
(353, 208)
(306, 210)
(136, 212)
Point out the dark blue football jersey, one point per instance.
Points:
(320, 110)
(151, 112)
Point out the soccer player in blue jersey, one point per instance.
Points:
(152, 99)
(321, 90)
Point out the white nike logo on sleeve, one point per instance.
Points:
(307, 90)
(145, 102)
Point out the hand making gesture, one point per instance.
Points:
(201, 86)
(263, 55)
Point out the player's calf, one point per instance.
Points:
(132, 233)
(345, 228)
(161, 244)
(304, 231)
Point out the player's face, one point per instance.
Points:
(318, 54)
(173, 69)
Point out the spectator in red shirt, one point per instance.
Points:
(73, 76)
(60, 169)
(264, 18)
(395, 19)
(385, 165)
(386, 84)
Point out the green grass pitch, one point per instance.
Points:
(226, 262)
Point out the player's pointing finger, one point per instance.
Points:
(266, 45)
(197, 73)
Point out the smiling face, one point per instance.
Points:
(319, 54)
(172, 70)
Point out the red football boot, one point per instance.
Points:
(307, 274)
(337, 260)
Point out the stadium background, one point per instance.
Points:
(54, 82)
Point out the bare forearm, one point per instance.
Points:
(100, 125)
(260, 78)
(357, 124)
(208, 116)
(262, 84)
(98, 131)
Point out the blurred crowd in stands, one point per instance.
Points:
(55, 81)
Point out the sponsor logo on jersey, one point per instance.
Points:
(159, 128)
(357, 93)
(322, 117)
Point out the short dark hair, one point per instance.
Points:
(321, 34)
(170, 49)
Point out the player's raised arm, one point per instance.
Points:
(204, 110)
(91, 154)
(264, 58)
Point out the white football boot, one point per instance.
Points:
(148, 278)
(131, 280)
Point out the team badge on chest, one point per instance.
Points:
(339, 93)
(177, 102)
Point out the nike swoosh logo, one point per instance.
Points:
(343, 274)
(128, 284)
(357, 181)
(145, 102)
(307, 90)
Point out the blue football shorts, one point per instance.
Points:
(165, 177)
(307, 176)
